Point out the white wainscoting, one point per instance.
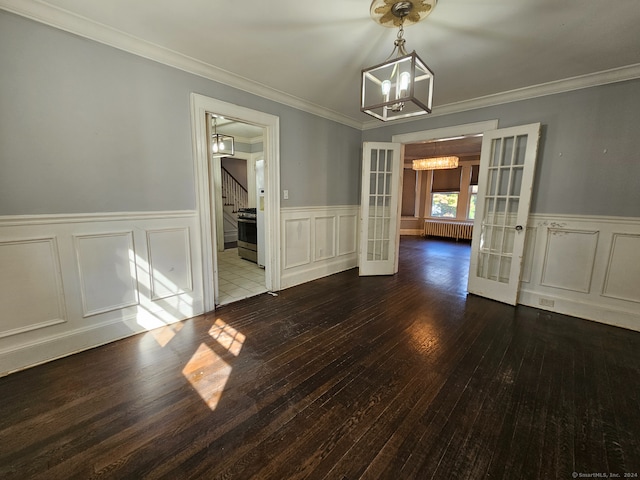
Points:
(72, 282)
(585, 266)
(318, 241)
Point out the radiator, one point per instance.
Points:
(457, 230)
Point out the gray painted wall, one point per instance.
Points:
(88, 128)
(580, 125)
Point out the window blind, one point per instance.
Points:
(475, 170)
(446, 180)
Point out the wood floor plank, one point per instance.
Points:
(347, 377)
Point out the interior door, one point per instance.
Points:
(380, 208)
(507, 166)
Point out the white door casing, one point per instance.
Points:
(380, 208)
(507, 168)
(200, 106)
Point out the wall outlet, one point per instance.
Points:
(285, 194)
(546, 302)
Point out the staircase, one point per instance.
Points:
(234, 197)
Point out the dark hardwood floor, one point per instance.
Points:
(400, 377)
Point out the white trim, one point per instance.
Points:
(414, 232)
(87, 28)
(310, 263)
(46, 349)
(446, 132)
(319, 209)
(50, 219)
(591, 303)
(614, 75)
(77, 239)
(152, 271)
(200, 106)
(542, 217)
(84, 27)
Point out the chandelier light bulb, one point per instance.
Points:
(405, 80)
(386, 88)
(214, 147)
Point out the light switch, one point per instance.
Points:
(285, 194)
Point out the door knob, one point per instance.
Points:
(519, 228)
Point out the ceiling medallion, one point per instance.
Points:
(401, 86)
(391, 13)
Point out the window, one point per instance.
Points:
(473, 192)
(473, 197)
(454, 192)
(445, 191)
(444, 204)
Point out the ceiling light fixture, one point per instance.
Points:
(221, 145)
(435, 163)
(402, 86)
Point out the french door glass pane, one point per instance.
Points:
(504, 181)
(379, 205)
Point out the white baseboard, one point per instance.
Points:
(412, 231)
(73, 282)
(584, 266)
(318, 270)
(53, 347)
(588, 311)
(318, 241)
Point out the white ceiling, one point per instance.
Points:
(314, 51)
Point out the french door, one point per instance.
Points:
(380, 208)
(507, 167)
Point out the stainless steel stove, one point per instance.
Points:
(248, 234)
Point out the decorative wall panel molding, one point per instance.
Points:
(31, 289)
(107, 270)
(584, 266)
(27, 220)
(325, 238)
(347, 234)
(102, 261)
(297, 242)
(169, 268)
(622, 280)
(569, 259)
(528, 255)
(318, 241)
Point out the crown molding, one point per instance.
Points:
(84, 27)
(87, 28)
(615, 75)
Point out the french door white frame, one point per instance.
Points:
(200, 106)
(380, 208)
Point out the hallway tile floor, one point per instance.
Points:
(238, 278)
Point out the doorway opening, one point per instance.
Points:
(209, 183)
(237, 194)
(442, 201)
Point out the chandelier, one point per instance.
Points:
(402, 86)
(221, 145)
(435, 163)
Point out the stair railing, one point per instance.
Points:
(233, 193)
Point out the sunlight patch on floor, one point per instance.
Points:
(227, 336)
(207, 371)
